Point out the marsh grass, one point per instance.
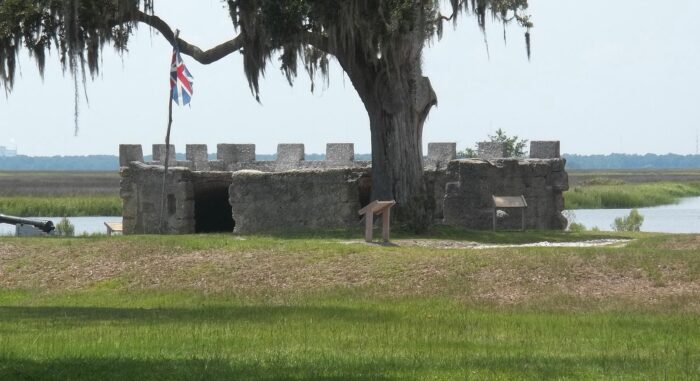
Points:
(52, 184)
(75, 206)
(623, 195)
(57, 194)
(581, 177)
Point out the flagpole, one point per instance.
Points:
(167, 145)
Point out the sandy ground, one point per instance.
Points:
(449, 244)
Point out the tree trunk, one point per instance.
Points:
(398, 102)
(397, 113)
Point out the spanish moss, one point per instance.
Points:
(378, 44)
(76, 30)
(308, 31)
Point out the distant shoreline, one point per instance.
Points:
(574, 162)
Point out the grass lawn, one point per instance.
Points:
(328, 307)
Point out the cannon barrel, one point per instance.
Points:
(43, 225)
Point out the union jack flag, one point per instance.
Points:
(180, 80)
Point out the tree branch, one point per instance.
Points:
(320, 42)
(440, 17)
(204, 57)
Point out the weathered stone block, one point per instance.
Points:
(290, 153)
(198, 154)
(559, 181)
(544, 149)
(442, 152)
(159, 153)
(129, 153)
(468, 202)
(491, 150)
(185, 164)
(235, 153)
(558, 165)
(217, 165)
(295, 199)
(469, 169)
(340, 152)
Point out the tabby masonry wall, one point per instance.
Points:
(291, 193)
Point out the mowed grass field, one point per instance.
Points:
(329, 307)
(57, 194)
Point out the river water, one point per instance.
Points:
(83, 225)
(683, 217)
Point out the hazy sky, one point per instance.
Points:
(610, 76)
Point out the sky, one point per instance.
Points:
(605, 77)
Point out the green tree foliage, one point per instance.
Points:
(577, 227)
(631, 223)
(304, 30)
(378, 43)
(515, 147)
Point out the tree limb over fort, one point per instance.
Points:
(378, 43)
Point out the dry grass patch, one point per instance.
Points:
(647, 273)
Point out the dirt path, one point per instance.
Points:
(449, 244)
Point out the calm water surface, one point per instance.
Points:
(683, 217)
(83, 225)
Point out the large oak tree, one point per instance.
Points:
(378, 43)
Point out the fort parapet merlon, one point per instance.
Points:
(237, 193)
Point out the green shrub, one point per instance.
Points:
(576, 227)
(631, 223)
(515, 147)
(65, 228)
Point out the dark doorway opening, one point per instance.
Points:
(212, 211)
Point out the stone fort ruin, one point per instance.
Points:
(236, 193)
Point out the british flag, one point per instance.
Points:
(180, 80)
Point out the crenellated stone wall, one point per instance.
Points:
(237, 192)
(297, 199)
(236, 157)
(141, 189)
(470, 183)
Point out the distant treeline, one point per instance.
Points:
(102, 162)
(111, 163)
(625, 161)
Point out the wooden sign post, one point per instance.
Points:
(374, 208)
(509, 202)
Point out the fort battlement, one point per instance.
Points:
(235, 157)
(235, 192)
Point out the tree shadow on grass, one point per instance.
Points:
(104, 369)
(534, 367)
(80, 315)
